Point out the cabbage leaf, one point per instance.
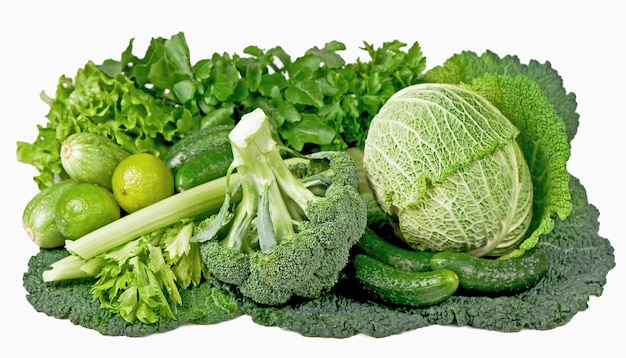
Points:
(544, 144)
(532, 97)
(465, 66)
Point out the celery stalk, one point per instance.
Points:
(67, 268)
(187, 204)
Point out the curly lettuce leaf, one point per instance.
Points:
(98, 103)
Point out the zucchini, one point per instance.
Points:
(204, 140)
(512, 274)
(204, 167)
(39, 217)
(91, 158)
(397, 286)
(408, 260)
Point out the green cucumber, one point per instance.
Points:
(397, 286)
(511, 274)
(408, 260)
(204, 140)
(91, 158)
(39, 217)
(204, 167)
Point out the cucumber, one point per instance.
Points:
(396, 286)
(39, 217)
(512, 274)
(204, 140)
(408, 260)
(91, 158)
(204, 167)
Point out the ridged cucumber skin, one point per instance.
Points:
(205, 139)
(512, 274)
(91, 158)
(204, 167)
(376, 247)
(400, 287)
(39, 218)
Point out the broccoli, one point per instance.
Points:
(564, 291)
(291, 232)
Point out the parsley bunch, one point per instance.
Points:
(316, 100)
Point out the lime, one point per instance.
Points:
(141, 179)
(84, 208)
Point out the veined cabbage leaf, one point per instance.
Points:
(533, 98)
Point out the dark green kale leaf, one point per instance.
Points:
(72, 300)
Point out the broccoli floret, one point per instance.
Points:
(228, 264)
(291, 232)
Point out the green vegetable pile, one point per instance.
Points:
(327, 208)
(563, 292)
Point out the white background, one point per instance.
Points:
(42, 40)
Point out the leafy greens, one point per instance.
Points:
(317, 101)
(72, 300)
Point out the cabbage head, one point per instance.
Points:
(445, 163)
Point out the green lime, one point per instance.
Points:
(84, 208)
(141, 179)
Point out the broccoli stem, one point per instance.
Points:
(243, 217)
(262, 201)
(272, 195)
